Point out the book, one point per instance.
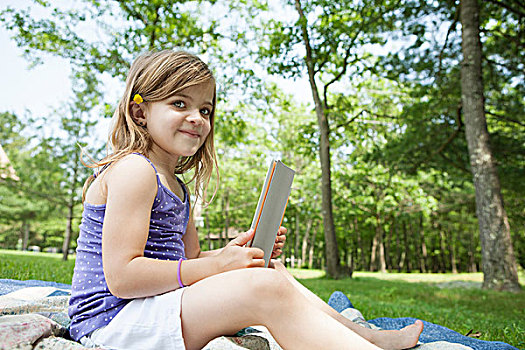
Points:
(271, 207)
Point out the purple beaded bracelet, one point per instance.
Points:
(178, 274)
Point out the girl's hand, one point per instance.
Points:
(235, 256)
(279, 242)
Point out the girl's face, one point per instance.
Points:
(180, 124)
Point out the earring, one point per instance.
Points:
(142, 124)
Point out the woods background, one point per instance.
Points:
(386, 180)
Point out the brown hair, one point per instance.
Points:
(157, 76)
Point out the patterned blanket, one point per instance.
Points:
(33, 315)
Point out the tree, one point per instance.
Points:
(333, 267)
(33, 196)
(324, 44)
(499, 265)
(434, 139)
(78, 122)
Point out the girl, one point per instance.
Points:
(141, 280)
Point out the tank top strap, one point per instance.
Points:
(182, 184)
(184, 190)
(97, 173)
(151, 163)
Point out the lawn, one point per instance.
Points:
(35, 266)
(454, 301)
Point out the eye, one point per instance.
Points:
(205, 112)
(179, 104)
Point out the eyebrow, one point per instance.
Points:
(191, 98)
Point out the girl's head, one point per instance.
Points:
(158, 76)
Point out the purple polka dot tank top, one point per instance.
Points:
(92, 305)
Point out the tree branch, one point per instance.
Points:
(449, 140)
(506, 6)
(345, 62)
(506, 66)
(351, 119)
(361, 113)
(130, 9)
(499, 116)
(309, 54)
(457, 166)
(338, 76)
(153, 26)
(506, 36)
(454, 134)
(452, 26)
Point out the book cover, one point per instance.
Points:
(271, 207)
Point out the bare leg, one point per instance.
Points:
(225, 303)
(402, 339)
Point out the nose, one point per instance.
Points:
(195, 117)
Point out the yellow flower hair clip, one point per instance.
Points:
(138, 99)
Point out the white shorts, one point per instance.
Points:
(145, 323)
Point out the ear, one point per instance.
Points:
(137, 113)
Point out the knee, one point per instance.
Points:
(278, 265)
(269, 286)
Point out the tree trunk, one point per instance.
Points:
(373, 252)
(360, 244)
(304, 244)
(442, 250)
(436, 261)
(406, 253)
(70, 209)
(416, 234)
(69, 231)
(355, 261)
(498, 262)
(398, 250)
(424, 254)
(312, 248)
(381, 246)
(296, 255)
(472, 255)
(388, 244)
(25, 235)
(223, 236)
(208, 231)
(333, 266)
(452, 251)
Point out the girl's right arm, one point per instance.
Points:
(131, 189)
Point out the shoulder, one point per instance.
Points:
(132, 162)
(131, 173)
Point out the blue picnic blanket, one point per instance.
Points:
(431, 332)
(9, 285)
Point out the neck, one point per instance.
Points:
(165, 163)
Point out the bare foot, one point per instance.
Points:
(405, 338)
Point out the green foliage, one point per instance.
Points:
(49, 177)
(141, 26)
(388, 76)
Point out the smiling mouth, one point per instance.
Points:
(190, 133)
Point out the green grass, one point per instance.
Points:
(35, 266)
(497, 315)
